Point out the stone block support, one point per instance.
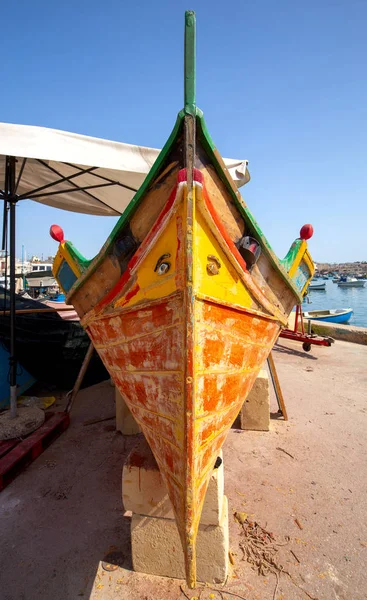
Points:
(156, 548)
(156, 545)
(125, 422)
(144, 493)
(255, 412)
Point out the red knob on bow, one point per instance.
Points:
(57, 233)
(306, 232)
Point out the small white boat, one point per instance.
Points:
(317, 286)
(351, 282)
(336, 315)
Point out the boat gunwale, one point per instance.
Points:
(228, 247)
(224, 176)
(128, 212)
(233, 255)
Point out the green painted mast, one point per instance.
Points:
(190, 59)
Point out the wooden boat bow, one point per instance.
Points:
(184, 303)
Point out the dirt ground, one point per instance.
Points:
(63, 515)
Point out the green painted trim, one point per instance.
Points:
(250, 221)
(190, 60)
(82, 262)
(289, 259)
(129, 210)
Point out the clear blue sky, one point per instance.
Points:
(283, 84)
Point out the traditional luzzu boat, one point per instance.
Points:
(184, 303)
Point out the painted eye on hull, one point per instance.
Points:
(163, 266)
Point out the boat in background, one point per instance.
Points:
(320, 287)
(24, 379)
(336, 279)
(337, 315)
(50, 348)
(351, 282)
(59, 303)
(184, 303)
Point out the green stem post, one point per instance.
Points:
(190, 57)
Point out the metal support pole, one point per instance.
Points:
(5, 225)
(10, 165)
(23, 276)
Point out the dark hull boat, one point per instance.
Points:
(24, 379)
(52, 349)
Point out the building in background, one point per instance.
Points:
(34, 276)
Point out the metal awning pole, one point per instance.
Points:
(12, 200)
(5, 225)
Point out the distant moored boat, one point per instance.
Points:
(337, 315)
(351, 282)
(317, 286)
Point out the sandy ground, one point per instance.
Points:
(63, 515)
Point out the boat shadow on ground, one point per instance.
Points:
(71, 496)
(291, 351)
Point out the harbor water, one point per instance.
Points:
(339, 297)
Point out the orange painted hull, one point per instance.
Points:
(181, 321)
(145, 351)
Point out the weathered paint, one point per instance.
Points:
(301, 267)
(66, 276)
(253, 226)
(64, 267)
(189, 531)
(88, 268)
(224, 284)
(184, 345)
(180, 351)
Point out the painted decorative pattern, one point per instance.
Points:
(301, 276)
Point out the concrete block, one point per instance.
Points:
(156, 548)
(144, 492)
(125, 422)
(255, 412)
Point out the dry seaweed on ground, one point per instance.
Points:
(260, 547)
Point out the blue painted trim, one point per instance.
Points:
(66, 276)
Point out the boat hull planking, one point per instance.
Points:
(183, 304)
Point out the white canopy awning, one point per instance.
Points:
(81, 173)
